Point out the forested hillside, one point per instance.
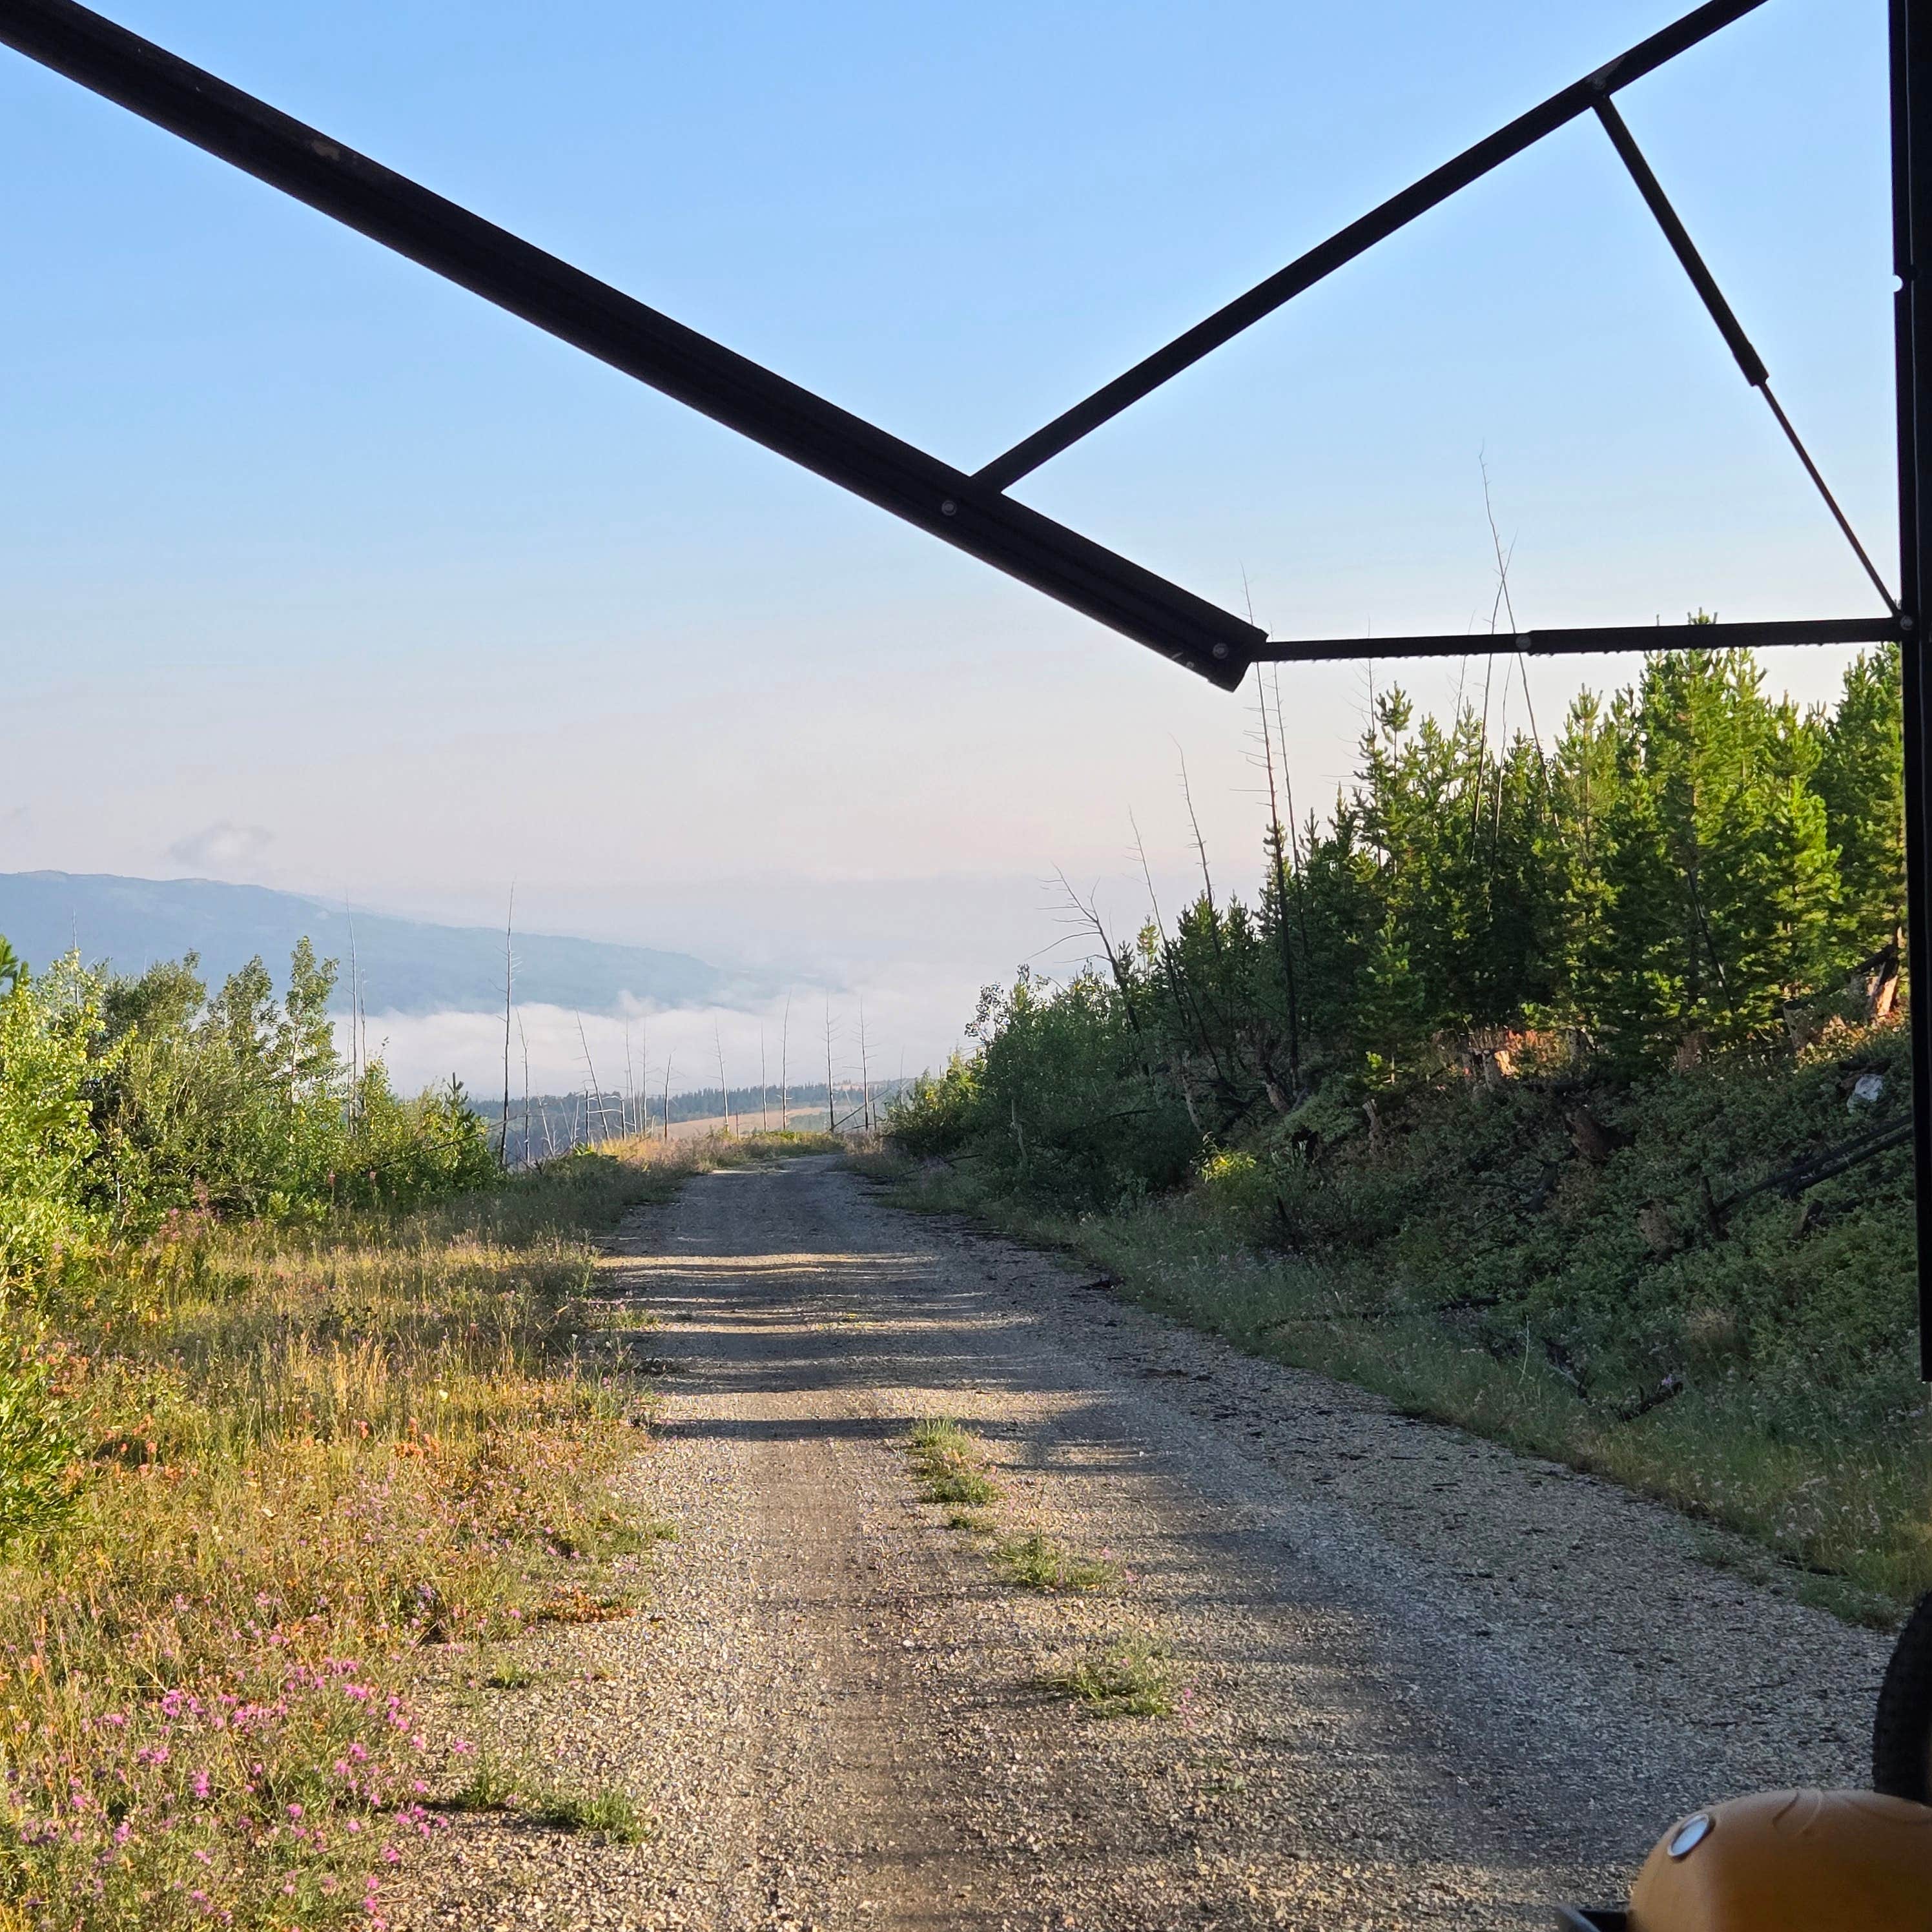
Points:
(1556, 1085)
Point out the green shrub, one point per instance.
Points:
(125, 1101)
(49, 1031)
(39, 1447)
(933, 1117)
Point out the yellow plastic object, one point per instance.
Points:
(1792, 1861)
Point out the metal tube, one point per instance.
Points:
(1838, 517)
(1623, 638)
(1678, 236)
(943, 502)
(1912, 212)
(1264, 297)
(1721, 313)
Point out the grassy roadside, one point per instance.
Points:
(1844, 1524)
(291, 1457)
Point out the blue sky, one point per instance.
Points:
(320, 572)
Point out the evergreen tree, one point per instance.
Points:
(1861, 777)
(1689, 861)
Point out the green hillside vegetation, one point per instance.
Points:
(1486, 1099)
(126, 1101)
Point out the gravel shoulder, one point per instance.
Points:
(1423, 1682)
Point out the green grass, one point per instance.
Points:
(1034, 1563)
(491, 1785)
(966, 1486)
(606, 1810)
(509, 1676)
(633, 1537)
(1133, 1677)
(946, 1459)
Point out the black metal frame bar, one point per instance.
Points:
(1750, 363)
(1912, 227)
(1568, 104)
(1584, 642)
(943, 501)
(972, 511)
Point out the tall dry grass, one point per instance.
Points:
(302, 1456)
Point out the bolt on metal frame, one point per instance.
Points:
(973, 511)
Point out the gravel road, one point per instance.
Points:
(1425, 1683)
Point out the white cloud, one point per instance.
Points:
(223, 847)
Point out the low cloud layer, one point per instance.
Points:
(684, 1044)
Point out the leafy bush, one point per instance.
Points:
(48, 1140)
(40, 1446)
(932, 1118)
(1242, 1187)
(1067, 1109)
(398, 1153)
(126, 1102)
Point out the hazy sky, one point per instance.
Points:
(321, 573)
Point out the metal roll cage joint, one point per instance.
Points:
(973, 511)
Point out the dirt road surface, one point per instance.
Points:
(1422, 1682)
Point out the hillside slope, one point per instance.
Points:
(407, 966)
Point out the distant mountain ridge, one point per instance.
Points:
(407, 966)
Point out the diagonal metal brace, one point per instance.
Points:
(944, 502)
(1750, 365)
(1397, 212)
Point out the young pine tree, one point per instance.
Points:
(1860, 779)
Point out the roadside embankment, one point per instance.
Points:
(1641, 1279)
